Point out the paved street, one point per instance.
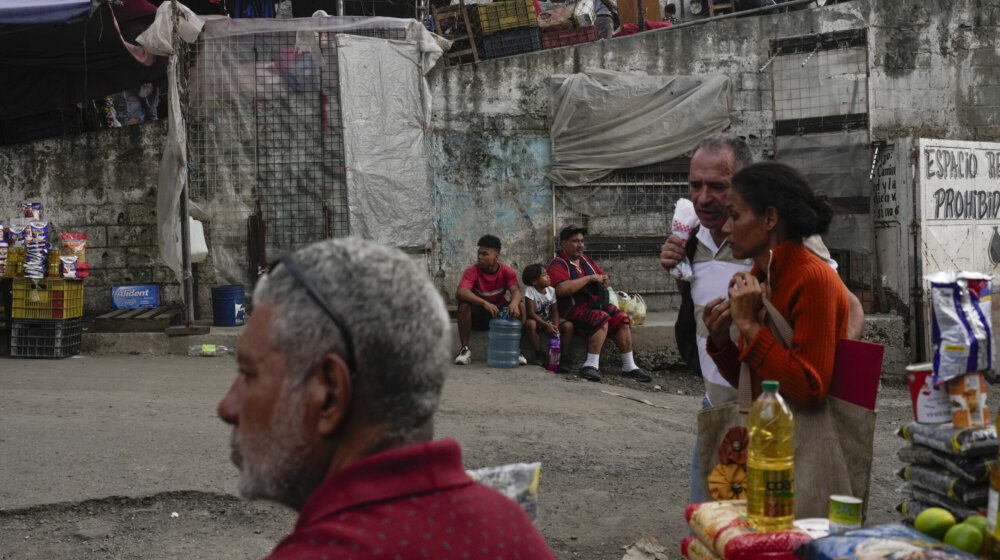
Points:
(613, 469)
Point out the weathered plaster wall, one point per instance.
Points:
(103, 184)
(496, 112)
(935, 72)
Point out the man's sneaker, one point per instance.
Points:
(521, 360)
(589, 373)
(464, 356)
(638, 375)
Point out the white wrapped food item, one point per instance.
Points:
(684, 224)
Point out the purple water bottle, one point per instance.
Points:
(554, 354)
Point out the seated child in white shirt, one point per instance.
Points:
(542, 314)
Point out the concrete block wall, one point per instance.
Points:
(101, 183)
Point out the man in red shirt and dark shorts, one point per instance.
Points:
(341, 367)
(481, 293)
(582, 289)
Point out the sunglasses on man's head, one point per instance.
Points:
(296, 271)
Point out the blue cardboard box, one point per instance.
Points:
(135, 296)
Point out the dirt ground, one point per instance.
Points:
(122, 457)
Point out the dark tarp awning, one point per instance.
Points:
(43, 11)
(50, 65)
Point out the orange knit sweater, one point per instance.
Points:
(811, 297)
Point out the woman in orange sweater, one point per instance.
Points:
(772, 208)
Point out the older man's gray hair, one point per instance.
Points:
(395, 315)
(721, 141)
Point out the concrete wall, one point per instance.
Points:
(934, 72)
(103, 184)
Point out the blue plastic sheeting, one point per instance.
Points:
(43, 11)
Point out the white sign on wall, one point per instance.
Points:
(958, 184)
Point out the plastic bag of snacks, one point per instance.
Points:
(883, 541)
(961, 325)
(75, 244)
(971, 469)
(949, 439)
(945, 483)
(518, 482)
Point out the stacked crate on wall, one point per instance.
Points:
(567, 37)
(46, 318)
(506, 28)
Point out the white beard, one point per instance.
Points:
(274, 461)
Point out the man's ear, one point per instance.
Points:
(335, 389)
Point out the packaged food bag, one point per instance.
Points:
(684, 224)
(966, 442)
(723, 526)
(894, 541)
(958, 509)
(518, 481)
(967, 397)
(970, 469)
(694, 549)
(961, 329)
(945, 483)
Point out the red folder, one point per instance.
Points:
(856, 372)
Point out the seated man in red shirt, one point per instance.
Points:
(582, 292)
(332, 414)
(481, 293)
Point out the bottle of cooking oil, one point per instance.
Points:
(770, 462)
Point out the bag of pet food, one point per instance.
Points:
(970, 469)
(942, 482)
(883, 541)
(966, 442)
(961, 329)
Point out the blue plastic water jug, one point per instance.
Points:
(505, 343)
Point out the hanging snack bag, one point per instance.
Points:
(960, 323)
(32, 210)
(68, 266)
(3, 258)
(75, 244)
(16, 235)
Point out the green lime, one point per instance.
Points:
(934, 522)
(978, 521)
(965, 537)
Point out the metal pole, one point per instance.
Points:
(640, 15)
(187, 278)
(340, 8)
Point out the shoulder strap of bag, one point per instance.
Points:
(783, 331)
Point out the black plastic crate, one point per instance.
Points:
(509, 43)
(45, 338)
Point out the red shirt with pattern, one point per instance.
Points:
(490, 287)
(413, 502)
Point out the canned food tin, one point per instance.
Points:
(845, 513)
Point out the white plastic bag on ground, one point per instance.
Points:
(518, 481)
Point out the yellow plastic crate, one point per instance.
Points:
(48, 298)
(498, 16)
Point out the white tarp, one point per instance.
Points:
(601, 120)
(386, 115)
(232, 94)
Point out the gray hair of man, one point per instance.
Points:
(395, 316)
(721, 141)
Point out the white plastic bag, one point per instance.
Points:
(518, 481)
(613, 297)
(199, 248)
(684, 224)
(636, 309)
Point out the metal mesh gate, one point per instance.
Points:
(628, 217)
(265, 144)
